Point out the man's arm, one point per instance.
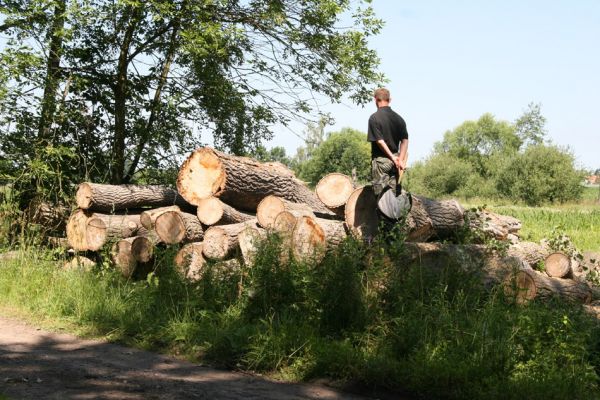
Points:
(400, 163)
(384, 147)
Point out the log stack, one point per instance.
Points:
(225, 205)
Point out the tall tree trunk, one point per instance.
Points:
(120, 92)
(156, 101)
(55, 39)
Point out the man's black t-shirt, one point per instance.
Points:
(386, 124)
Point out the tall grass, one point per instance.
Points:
(360, 315)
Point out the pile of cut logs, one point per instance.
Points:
(224, 205)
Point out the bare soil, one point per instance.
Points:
(38, 364)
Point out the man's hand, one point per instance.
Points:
(399, 163)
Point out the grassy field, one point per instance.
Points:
(580, 221)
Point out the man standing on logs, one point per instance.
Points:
(389, 143)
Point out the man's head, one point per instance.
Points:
(382, 97)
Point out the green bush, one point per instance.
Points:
(540, 174)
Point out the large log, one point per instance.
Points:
(532, 253)
(269, 207)
(334, 190)
(189, 261)
(335, 231)
(142, 247)
(526, 285)
(148, 217)
(308, 240)
(123, 258)
(558, 265)
(493, 225)
(102, 228)
(76, 227)
(249, 242)
(221, 241)
(361, 213)
(176, 227)
(240, 182)
(110, 198)
(212, 211)
(447, 216)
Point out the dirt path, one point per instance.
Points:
(36, 364)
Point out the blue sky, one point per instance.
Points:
(451, 61)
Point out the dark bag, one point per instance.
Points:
(393, 206)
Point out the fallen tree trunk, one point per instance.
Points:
(212, 211)
(249, 241)
(526, 285)
(447, 216)
(142, 247)
(240, 182)
(558, 265)
(102, 228)
(123, 258)
(493, 225)
(308, 240)
(532, 253)
(221, 242)
(269, 207)
(361, 213)
(110, 198)
(176, 227)
(189, 261)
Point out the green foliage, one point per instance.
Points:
(346, 151)
(361, 315)
(540, 174)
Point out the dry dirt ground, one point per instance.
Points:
(37, 364)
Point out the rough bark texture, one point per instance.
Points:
(526, 285)
(532, 253)
(76, 227)
(447, 216)
(212, 211)
(176, 227)
(109, 198)
(334, 190)
(189, 261)
(493, 267)
(148, 217)
(240, 182)
(308, 240)
(494, 225)
(249, 240)
(221, 242)
(102, 228)
(558, 265)
(269, 207)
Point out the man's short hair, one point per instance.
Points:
(382, 94)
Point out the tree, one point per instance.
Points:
(542, 173)
(125, 83)
(276, 154)
(346, 151)
(531, 126)
(480, 143)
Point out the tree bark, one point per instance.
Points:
(148, 217)
(176, 227)
(110, 198)
(494, 225)
(269, 207)
(334, 190)
(532, 253)
(240, 182)
(189, 261)
(212, 211)
(335, 231)
(221, 242)
(249, 241)
(101, 228)
(526, 285)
